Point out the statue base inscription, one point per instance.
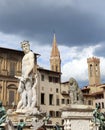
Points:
(77, 117)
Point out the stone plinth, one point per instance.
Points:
(77, 117)
(30, 120)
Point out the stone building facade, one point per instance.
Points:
(48, 92)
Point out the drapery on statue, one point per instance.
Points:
(75, 93)
(27, 88)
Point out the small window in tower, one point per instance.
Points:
(91, 70)
(96, 70)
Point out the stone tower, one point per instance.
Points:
(55, 61)
(94, 70)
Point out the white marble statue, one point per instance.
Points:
(75, 93)
(26, 87)
(33, 104)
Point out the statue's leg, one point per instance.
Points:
(29, 93)
(19, 104)
(24, 99)
(29, 99)
(33, 98)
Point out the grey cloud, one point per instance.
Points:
(100, 52)
(75, 23)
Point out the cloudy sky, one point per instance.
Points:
(79, 26)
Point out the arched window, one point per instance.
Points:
(11, 95)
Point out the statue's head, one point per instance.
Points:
(24, 43)
(72, 81)
(0, 103)
(25, 46)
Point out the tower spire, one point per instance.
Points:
(55, 51)
(55, 61)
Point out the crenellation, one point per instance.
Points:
(93, 59)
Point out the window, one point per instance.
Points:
(12, 68)
(91, 70)
(89, 102)
(56, 90)
(57, 101)
(11, 97)
(42, 77)
(42, 98)
(102, 105)
(58, 114)
(96, 70)
(63, 101)
(50, 79)
(67, 101)
(52, 113)
(51, 99)
(54, 79)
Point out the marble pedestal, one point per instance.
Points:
(32, 122)
(77, 117)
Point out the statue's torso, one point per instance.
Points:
(26, 62)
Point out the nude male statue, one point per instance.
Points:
(25, 86)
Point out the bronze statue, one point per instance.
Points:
(99, 117)
(2, 114)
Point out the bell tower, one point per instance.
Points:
(55, 61)
(94, 70)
